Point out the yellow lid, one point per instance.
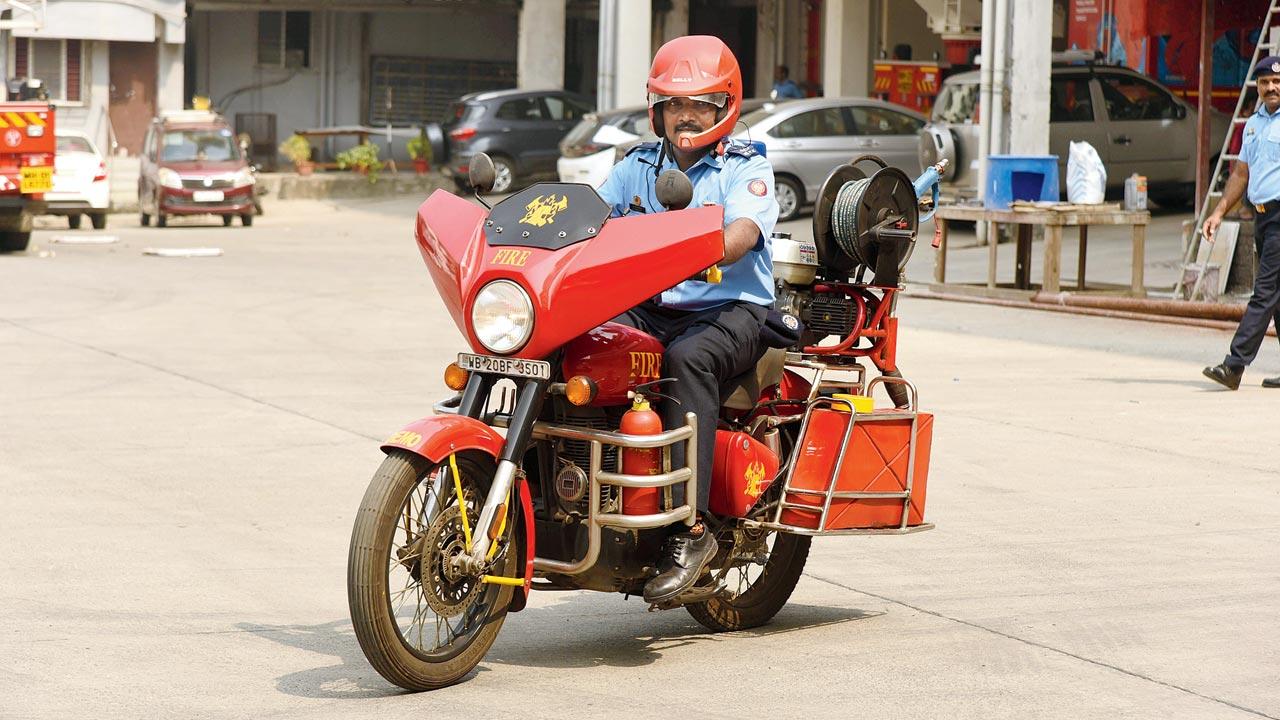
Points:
(861, 403)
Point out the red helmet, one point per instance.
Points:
(703, 68)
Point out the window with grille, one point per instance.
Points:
(57, 63)
(407, 91)
(284, 39)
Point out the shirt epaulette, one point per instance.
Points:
(744, 150)
(643, 146)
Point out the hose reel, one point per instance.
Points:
(866, 221)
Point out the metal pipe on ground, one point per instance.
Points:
(1172, 308)
(1228, 326)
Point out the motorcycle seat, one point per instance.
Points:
(747, 386)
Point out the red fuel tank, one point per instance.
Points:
(744, 468)
(617, 357)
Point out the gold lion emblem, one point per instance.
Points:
(543, 209)
(754, 475)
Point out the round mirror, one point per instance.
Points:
(674, 190)
(480, 173)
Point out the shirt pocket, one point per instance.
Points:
(1269, 143)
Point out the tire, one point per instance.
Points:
(73, 221)
(14, 241)
(790, 197)
(504, 175)
(463, 186)
(162, 220)
(765, 597)
(99, 221)
(369, 565)
(226, 220)
(246, 220)
(144, 220)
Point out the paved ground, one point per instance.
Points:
(183, 443)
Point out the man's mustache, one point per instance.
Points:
(690, 126)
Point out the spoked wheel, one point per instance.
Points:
(421, 623)
(760, 576)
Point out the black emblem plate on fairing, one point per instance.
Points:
(549, 216)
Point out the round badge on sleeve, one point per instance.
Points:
(758, 188)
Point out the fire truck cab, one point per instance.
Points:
(27, 147)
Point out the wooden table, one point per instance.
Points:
(1054, 219)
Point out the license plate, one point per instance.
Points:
(516, 367)
(36, 180)
(207, 196)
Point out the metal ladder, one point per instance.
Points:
(1217, 178)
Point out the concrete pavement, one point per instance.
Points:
(185, 443)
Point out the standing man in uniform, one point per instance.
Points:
(1258, 170)
(711, 331)
(783, 87)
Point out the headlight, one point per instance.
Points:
(502, 317)
(244, 177)
(170, 179)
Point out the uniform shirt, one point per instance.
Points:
(787, 89)
(741, 180)
(1260, 150)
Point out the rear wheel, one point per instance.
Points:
(759, 580)
(14, 241)
(504, 174)
(73, 221)
(99, 220)
(144, 219)
(246, 220)
(226, 220)
(421, 624)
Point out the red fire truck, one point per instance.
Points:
(27, 147)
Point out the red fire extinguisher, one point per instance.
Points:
(642, 420)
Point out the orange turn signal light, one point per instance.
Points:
(455, 377)
(580, 390)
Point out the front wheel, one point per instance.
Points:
(755, 591)
(421, 624)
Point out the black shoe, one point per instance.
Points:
(684, 556)
(1271, 382)
(1225, 375)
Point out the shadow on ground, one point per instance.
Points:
(627, 639)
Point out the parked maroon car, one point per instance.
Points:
(192, 165)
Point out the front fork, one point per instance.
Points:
(529, 397)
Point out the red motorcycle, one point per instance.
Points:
(549, 471)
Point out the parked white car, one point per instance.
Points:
(80, 185)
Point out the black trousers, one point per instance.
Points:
(1264, 304)
(704, 350)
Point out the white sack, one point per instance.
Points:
(1086, 175)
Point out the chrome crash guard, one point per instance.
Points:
(598, 477)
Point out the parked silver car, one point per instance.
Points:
(805, 139)
(1135, 124)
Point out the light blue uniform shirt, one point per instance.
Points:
(740, 180)
(1260, 150)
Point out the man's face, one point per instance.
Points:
(1269, 89)
(682, 118)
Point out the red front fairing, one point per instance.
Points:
(573, 289)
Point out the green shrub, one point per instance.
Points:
(361, 158)
(296, 148)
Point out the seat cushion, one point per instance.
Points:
(747, 386)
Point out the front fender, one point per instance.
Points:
(437, 436)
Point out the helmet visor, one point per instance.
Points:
(716, 98)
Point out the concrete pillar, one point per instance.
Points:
(540, 45)
(633, 51)
(99, 94)
(1030, 97)
(767, 33)
(169, 77)
(672, 24)
(847, 39)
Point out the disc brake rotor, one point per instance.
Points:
(447, 592)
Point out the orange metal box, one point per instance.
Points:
(876, 461)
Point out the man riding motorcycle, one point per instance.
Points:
(711, 330)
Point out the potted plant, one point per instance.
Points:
(420, 151)
(363, 159)
(298, 150)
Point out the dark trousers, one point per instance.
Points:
(704, 350)
(1264, 304)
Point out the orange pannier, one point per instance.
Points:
(871, 486)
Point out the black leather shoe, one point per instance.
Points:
(1271, 382)
(1224, 375)
(684, 556)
